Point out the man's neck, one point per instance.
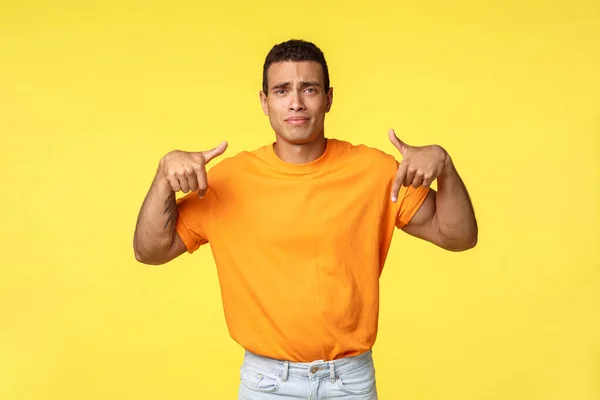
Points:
(300, 153)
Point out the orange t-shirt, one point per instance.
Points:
(299, 248)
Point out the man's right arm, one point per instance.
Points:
(155, 240)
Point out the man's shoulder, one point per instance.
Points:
(364, 153)
(238, 161)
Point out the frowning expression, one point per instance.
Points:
(296, 102)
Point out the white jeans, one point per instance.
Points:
(351, 378)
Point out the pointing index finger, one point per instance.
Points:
(398, 180)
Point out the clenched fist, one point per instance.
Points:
(186, 171)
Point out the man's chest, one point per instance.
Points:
(309, 212)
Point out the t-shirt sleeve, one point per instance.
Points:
(193, 216)
(410, 200)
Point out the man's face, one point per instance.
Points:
(296, 103)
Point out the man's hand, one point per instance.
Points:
(186, 171)
(420, 166)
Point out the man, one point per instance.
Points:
(300, 231)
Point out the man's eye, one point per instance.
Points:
(280, 91)
(310, 90)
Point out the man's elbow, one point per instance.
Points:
(460, 245)
(470, 244)
(146, 258)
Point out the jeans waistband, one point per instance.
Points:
(317, 369)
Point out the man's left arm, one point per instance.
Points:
(446, 217)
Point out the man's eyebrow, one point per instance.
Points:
(281, 85)
(309, 83)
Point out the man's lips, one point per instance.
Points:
(297, 120)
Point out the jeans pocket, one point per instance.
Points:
(358, 381)
(259, 381)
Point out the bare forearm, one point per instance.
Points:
(155, 228)
(454, 211)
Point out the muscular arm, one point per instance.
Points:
(156, 240)
(446, 218)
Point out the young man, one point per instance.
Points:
(300, 231)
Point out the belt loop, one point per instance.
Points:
(286, 365)
(331, 372)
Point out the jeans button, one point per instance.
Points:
(314, 369)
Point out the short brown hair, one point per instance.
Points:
(295, 50)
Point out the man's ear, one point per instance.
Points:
(263, 102)
(329, 99)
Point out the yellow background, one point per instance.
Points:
(93, 94)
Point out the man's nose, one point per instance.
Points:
(296, 104)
